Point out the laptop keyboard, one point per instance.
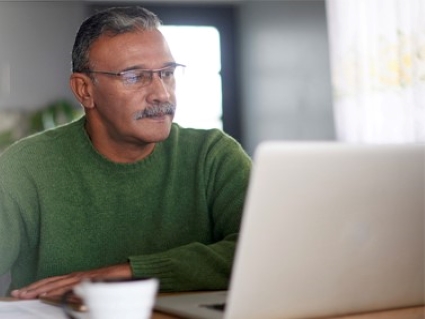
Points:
(218, 306)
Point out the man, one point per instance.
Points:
(121, 192)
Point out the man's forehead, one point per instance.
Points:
(131, 47)
(137, 37)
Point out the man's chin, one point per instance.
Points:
(156, 131)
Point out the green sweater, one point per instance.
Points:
(174, 215)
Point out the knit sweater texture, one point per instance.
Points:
(174, 215)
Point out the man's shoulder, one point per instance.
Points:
(196, 135)
(212, 143)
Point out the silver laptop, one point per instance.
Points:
(328, 229)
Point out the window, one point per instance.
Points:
(199, 95)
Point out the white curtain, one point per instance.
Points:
(378, 69)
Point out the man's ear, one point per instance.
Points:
(81, 86)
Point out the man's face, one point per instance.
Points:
(116, 105)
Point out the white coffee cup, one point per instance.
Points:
(117, 299)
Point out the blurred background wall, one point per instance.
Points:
(285, 77)
(36, 39)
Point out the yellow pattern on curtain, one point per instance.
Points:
(378, 69)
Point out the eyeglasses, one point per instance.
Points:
(138, 77)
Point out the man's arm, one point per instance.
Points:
(191, 267)
(200, 266)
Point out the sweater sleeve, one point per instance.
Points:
(198, 266)
(191, 267)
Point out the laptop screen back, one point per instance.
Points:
(330, 229)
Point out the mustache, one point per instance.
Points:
(156, 110)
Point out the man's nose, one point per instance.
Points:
(158, 90)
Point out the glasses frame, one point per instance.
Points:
(151, 72)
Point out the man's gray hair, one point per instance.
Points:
(112, 21)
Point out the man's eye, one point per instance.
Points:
(167, 73)
(134, 77)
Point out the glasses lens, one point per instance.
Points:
(140, 77)
(137, 77)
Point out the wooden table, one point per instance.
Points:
(406, 313)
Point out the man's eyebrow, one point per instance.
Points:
(143, 67)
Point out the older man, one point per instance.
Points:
(123, 191)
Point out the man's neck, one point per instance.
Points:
(120, 151)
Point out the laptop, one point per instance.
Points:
(328, 229)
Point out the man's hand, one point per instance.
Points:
(60, 284)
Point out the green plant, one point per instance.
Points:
(59, 112)
(31, 122)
